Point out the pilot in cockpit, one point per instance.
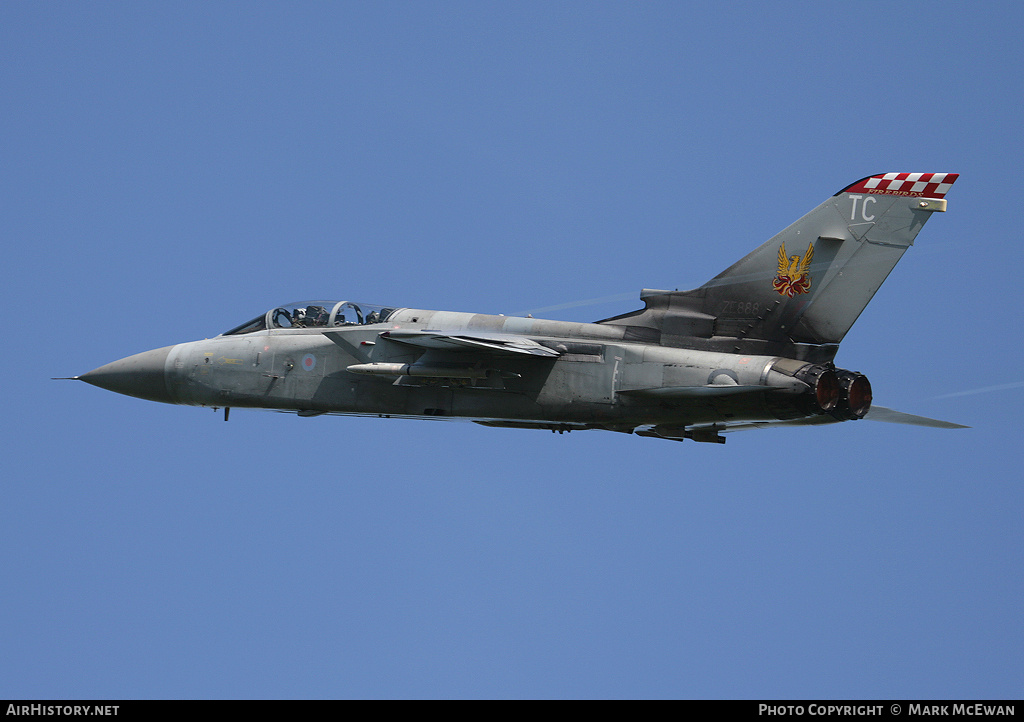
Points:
(311, 316)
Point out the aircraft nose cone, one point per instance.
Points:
(141, 375)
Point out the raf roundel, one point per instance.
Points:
(309, 362)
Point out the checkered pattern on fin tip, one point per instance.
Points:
(926, 185)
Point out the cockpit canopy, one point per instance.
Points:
(316, 314)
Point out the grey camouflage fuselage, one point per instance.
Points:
(752, 347)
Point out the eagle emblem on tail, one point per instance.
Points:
(793, 276)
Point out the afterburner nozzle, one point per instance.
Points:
(856, 396)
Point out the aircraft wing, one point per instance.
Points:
(488, 344)
(690, 392)
(877, 413)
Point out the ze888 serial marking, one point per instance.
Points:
(740, 308)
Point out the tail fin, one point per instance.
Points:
(809, 283)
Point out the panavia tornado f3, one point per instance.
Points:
(753, 347)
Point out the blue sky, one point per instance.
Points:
(171, 170)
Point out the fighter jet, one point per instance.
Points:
(751, 348)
